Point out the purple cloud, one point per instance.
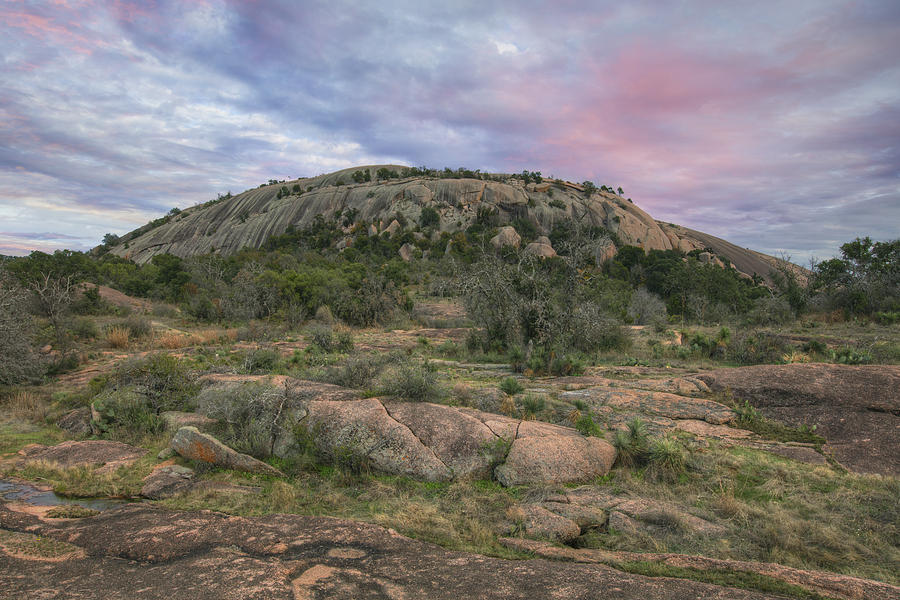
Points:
(774, 125)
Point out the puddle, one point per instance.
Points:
(20, 491)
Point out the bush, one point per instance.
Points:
(85, 328)
(260, 360)
(126, 412)
(757, 347)
(138, 327)
(632, 445)
(256, 419)
(666, 459)
(586, 426)
(160, 378)
(322, 337)
(357, 372)
(511, 386)
(647, 308)
(412, 381)
(533, 405)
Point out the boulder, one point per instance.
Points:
(76, 422)
(190, 443)
(393, 228)
(373, 230)
(558, 460)
(406, 252)
(364, 432)
(539, 523)
(540, 250)
(585, 517)
(104, 455)
(506, 236)
(167, 481)
(459, 441)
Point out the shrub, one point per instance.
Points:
(257, 419)
(323, 315)
(511, 386)
(17, 360)
(647, 308)
(138, 326)
(85, 328)
(667, 458)
(533, 405)
(357, 372)
(411, 380)
(322, 337)
(586, 426)
(27, 406)
(260, 360)
(126, 412)
(161, 379)
(632, 444)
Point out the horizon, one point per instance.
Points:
(774, 127)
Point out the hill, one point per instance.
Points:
(376, 195)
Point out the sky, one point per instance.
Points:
(774, 125)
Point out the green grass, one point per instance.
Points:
(735, 579)
(15, 436)
(465, 516)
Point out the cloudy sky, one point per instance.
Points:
(775, 125)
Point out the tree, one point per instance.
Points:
(865, 279)
(110, 239)
(17, 360)
(54, 295)
(589, 188)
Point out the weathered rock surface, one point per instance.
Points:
(663, 404)
(365, 431)
(558, 459)
(439, 443)
(250, 218)
(104, 455)
(507, 236)
(856, 408)
(538, 522)
(190, 443)
(540, 250)
(406, 252)
(140, 552)
(831, 585)
(166, 481)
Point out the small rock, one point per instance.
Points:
(622, 523)
(393, 228)
(167, 481)
(406, 252)
(190, 443)
(166, 453)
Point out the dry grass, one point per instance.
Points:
(118, 336)
(172, 340)
(27, 406)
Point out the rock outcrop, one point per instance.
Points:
(138, 551)
(507, 236)
(103, 455)
(250, 218)
(856, 408)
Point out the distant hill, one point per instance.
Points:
(396, 192)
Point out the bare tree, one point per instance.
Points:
(54, 295)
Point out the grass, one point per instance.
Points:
(735, 579)
(465, 516)
(26, 544)
(85, 482)
(773, 510)
(15, 436)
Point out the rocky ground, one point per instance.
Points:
(568, 512)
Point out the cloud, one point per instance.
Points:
(773, 125)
